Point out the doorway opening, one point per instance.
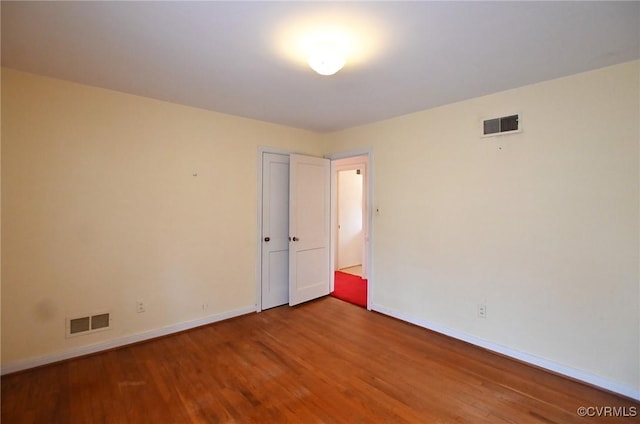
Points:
(350, 228)
(350, 232)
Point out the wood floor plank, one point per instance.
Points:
(321, 362)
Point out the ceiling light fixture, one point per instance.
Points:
(330, 38)
(326, 59)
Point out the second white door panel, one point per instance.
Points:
(309, 228)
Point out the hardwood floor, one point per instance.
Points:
(322, 362)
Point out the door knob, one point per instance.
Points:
(296, 239)
(267, 239)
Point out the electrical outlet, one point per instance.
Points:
(140, 307)
(205, 306)
(482, 310)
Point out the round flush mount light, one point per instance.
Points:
(326, 59)
(330, 38)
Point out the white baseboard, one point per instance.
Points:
(110, 344)
(628, 391)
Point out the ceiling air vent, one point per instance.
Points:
(504, 125)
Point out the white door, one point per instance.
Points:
(350, 228)
(275, 230)
(309, 228)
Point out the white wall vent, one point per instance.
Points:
(504, 125)
(88, 324)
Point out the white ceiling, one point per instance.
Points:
(239, 57)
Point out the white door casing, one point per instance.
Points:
(309, 228)
(275, 230)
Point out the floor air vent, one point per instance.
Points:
(88, 324)
(504, 125)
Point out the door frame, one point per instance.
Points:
(369, 272)
(367, 267)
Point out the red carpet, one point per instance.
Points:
(350, 288)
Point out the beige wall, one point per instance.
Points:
(101, 209)
(541, 226)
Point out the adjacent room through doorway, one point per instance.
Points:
(350, 282)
